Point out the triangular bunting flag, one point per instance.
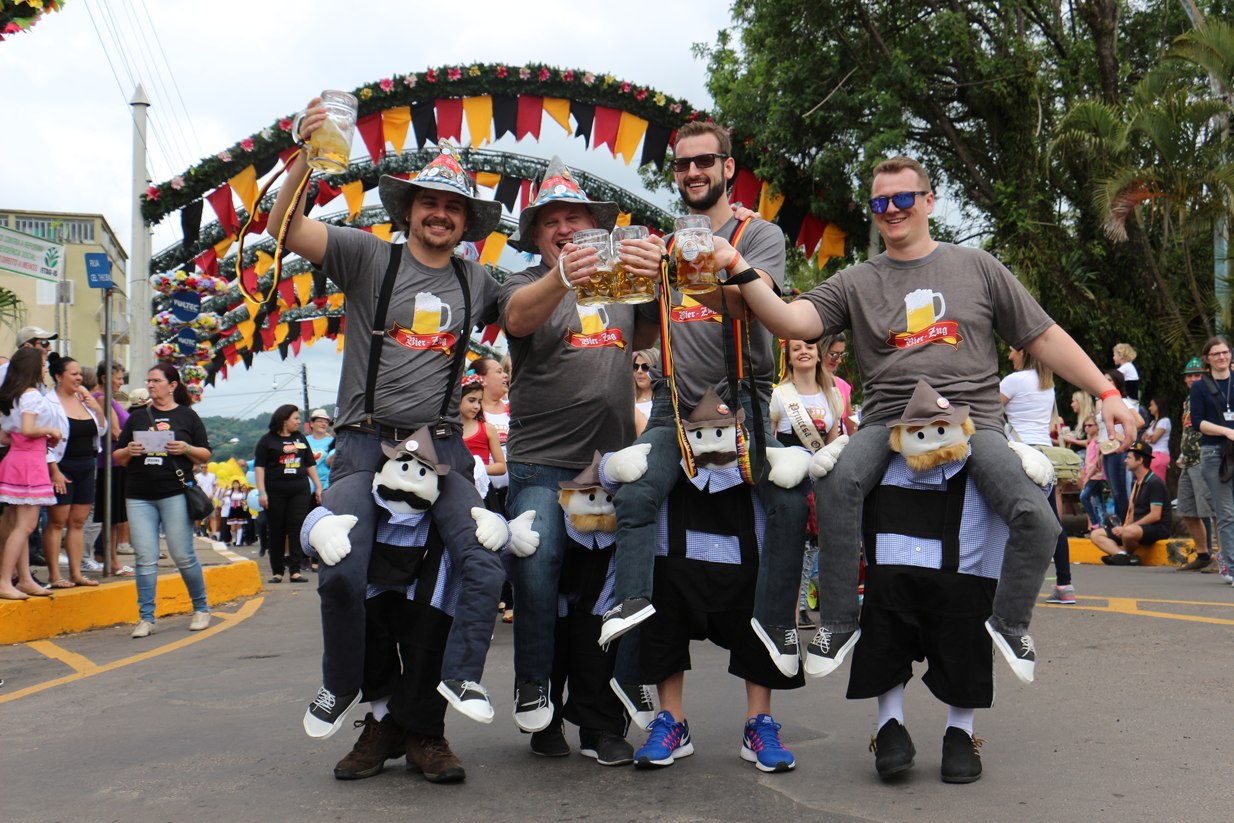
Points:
(208, 262)
(304, 287)
(245, 185)
(530, 115)
(493, 246)
(629, 135)
(746, 188)
(655, 145)
(832, 244)
(384, 231)
(449, 119)
(608, 121)
(505, 114)
(769, 202)
(525, 191)
(811, 234)
(190, 223)
(371, 130)
(221, 247)
(353, 192)
(490, 333)
(264, 261)
(423, 119)
(319, 327)
(488, 179)
(479, 112)
(585, 115)
(220, 201)
(394, 124)
(326, 192)
(507, 192)
(558, 108)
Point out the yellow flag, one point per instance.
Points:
(559, 109)
(245, 185)
(304, 287)
(623, 218)
(479, 113)
(280, 333)
(629, 135)
(264, 261)
(394, 123)
(382, 230)
(221, 247)
(246, 329)
(488, 179)
(769, 202)
(832, 244)
(335, 301)
(493, 247)
(354, 194)
(319, 327)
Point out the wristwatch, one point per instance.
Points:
(728, 279)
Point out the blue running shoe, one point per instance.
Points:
(761, 745)
(668, 741)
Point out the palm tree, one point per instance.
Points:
(12, 310)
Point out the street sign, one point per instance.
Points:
(98, 270)
(31, 256)
(186, 305)
(186, 340)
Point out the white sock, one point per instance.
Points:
(380, 708)
(891, 705)
(960, 718)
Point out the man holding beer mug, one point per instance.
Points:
(400, 373)
(928, 310)
(703, 168)
(570, 395)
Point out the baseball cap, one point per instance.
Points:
(138, 397)
(1194, 366)
(1142, 449)
(319, 413)
(27, 333)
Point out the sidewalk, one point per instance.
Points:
(228, 576)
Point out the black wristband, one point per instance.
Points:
(744, 276)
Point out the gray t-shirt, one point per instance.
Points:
(931, 318)
(698, 334)
(424, 324)
(572, 390)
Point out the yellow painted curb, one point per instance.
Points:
(85, 608)
(1158, 554)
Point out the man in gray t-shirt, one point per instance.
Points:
(415, 383)
(928, 310)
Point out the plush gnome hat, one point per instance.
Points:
(588, 478)
(712, 412)
(419, 446)
(927, 406)
(558, 186)
(443, 173)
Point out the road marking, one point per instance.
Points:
(84, 668)
(1131, 605)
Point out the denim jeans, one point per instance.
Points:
(1223, 500)
(145, 516)
(997, 474)
(342, 586)
(533, 486)
(1116, 476)
(638, 505)
(1095, 508)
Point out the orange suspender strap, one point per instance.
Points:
(666, 354)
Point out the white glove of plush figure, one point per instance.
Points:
(491, 530)
(825, 458)
(329, 537)
(627, 465)
(524, 540)
(788, 466)
(1036, 465)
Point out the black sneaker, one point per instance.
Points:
(608, 748)
(327, 712)
(469, 697)
(624, 616)
(781, 644)
(893, 749)
(961, 760)
(638, 701)
(804, 620)
(550, 742)
(1124, 559)
(1017, 649)
(532, 709)
(827, 650)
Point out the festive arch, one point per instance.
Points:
(493, 100)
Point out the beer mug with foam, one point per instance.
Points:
(920, 311)
(431, 315)
(595, 291)
(694, 253)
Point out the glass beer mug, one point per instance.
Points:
(329, 148)
(625, 286)
(694, 254)
(596, 290)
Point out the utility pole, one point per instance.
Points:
(304, 384)
(141, 335)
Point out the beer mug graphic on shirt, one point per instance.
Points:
(431, 315)
(919, 306)
(593, 319)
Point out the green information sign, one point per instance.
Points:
(31, 256)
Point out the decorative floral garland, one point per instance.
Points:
(17, 16)
(418, 87)
(179, 281)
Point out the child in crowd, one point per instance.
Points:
(1092, 479)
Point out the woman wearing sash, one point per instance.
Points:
(806, 410)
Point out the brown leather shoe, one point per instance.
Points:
(379, 742)
(1197, 563)
(433, 757)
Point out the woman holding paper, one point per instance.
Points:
(159, 446)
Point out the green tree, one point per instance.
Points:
(12, 310)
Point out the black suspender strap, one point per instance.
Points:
(379, 330)
(442, 428)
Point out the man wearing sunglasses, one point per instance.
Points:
(925, 309)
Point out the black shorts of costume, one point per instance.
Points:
(915, 614)
(404, 642)
(1152, 533)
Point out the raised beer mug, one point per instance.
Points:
(627, 287)
(595, 291)
(694, 254)
(329, 148)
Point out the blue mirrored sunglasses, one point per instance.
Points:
(902, 199)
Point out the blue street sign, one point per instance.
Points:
(186, 305)
(98, 270)
(187, 341)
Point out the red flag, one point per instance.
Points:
(811, 233)
(374, 135)
(220, 201)
(525, 197)
(326, 192)
(490, 333)
(295, 345)
(259, 222)
(608, 121)
(306, 330)
(230, 354)
(287, 290)
(248, 279)
(285, 154)
(746, 188)
(530, 114)
(208, 262)
(450, 118)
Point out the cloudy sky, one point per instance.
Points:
(221, 70)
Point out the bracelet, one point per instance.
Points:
(744, 276)
(1108, 393)
(561, 271)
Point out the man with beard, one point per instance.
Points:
(702, 168)
(410, 310)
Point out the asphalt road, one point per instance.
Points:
(1129, 720)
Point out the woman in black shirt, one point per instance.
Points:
(284, 465)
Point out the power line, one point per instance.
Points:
(156, 73)
(171, 74)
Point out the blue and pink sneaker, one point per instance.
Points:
(668, 741)
(761, 745)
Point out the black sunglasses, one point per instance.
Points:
(46, 344)
(703, 161)
(902, 199)
(643, 367)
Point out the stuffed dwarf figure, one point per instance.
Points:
(411, 558)
(934, 550)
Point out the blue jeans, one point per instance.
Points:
(999, 477)
(1223, 500)
(1116, 476)
(1094, 508)
(638, 505)
(342, 586)
(145, 516)
(533, 486)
